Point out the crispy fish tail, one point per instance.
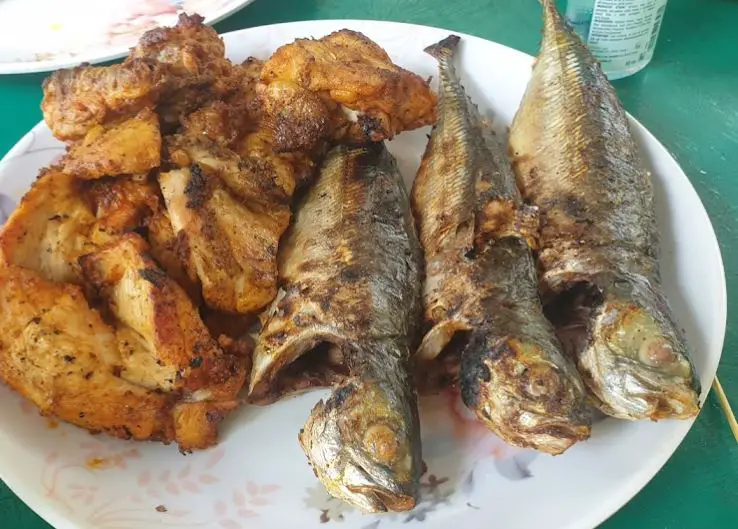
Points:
(445, 49)
(362, 441)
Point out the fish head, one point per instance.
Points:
(635, 359)
(520, 393)
(363, 445)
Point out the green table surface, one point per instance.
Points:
(687, 96)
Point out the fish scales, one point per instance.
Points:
(350, 278)
(576, 160)
(485, 327)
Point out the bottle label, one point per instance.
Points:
(579, 16)
(622, 34)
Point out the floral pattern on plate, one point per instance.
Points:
(70, 483)
(161, 496)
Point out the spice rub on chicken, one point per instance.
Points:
(344, 87)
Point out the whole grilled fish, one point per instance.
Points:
(481, 292)
(350, 275)
(576, 159)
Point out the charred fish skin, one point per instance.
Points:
(575, 158)
(350, 276)
(481, 290)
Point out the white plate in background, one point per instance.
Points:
(43, 35)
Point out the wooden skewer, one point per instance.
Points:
(726, 407)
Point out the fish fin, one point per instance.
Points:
(549, 6)
(444, 49)
(554, 22)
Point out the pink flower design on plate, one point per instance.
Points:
(244, 504)
(186, 480)
(99, 455)
(82, 493)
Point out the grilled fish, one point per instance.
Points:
(480, 297)
(347, 312)
(576, 159)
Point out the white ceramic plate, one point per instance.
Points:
(258, 477)
(43, 35)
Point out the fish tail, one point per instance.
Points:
(444, 49)
(553, 21)
(549, 6)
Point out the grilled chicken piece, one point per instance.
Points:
(60, 219)
(298, 119)
(121, 204)
(189, 48)
(50, 229)
(259, 140)
(196, 423)
(231, 125)
(247, 77)
(77, 99)
(239, 112)
(190, 59)
(236, 123)
(230, 213)
(300, 167)
(345, 69)
(130, 146)
(217, 121)
(172, 253)
(57, 352)
(163, 343)
(259, 145)
(233, 249)
(251, 179)
(177, 69)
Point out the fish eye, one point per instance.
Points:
(381, 442)
(656, 352)
(542, 380)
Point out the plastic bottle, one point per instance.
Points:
(622, 34)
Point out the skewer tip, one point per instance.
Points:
(725, 405)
